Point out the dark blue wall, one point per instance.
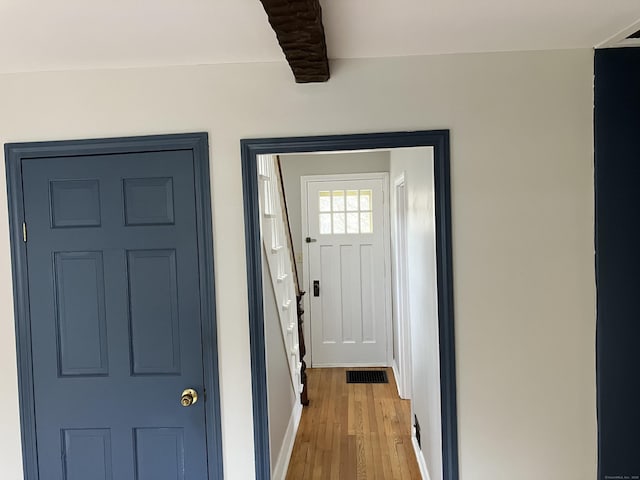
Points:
(617, 184)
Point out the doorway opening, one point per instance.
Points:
(437, 143)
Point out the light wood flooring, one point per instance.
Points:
(353, 431)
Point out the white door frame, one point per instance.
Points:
(304, 182)
(402, 314)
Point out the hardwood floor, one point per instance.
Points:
(353, 431)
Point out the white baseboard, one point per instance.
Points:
(394, 367)
(422, 464)
(282, 465)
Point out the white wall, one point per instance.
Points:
(296, 166)
(522, 186)
(281, 396)
(417, 166)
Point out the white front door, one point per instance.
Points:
(346, 279)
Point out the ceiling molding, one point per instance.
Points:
(620, 39)
(298, 27)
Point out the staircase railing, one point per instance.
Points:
(299, 292)
(276, 238)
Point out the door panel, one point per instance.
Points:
(80, 313)
(345, 219)
(159, 453)
(86, 454)
(153, 312)
(112, 256)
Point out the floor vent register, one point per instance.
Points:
(367, 376)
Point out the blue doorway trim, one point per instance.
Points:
(617, 260)
(198, 143)
(439, 140)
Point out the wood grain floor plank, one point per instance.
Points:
(353, 431)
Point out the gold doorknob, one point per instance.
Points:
(189, 397)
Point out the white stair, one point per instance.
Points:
(278, 260)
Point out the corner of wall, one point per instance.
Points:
(282, 464)
(422, 464)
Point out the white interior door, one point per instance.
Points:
(346, 279)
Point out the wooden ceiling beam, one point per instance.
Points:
(299, 29)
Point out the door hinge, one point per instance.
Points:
(24, 232)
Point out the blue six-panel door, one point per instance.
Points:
(114, 299)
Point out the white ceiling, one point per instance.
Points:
(80, 34)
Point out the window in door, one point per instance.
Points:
(345, 212)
